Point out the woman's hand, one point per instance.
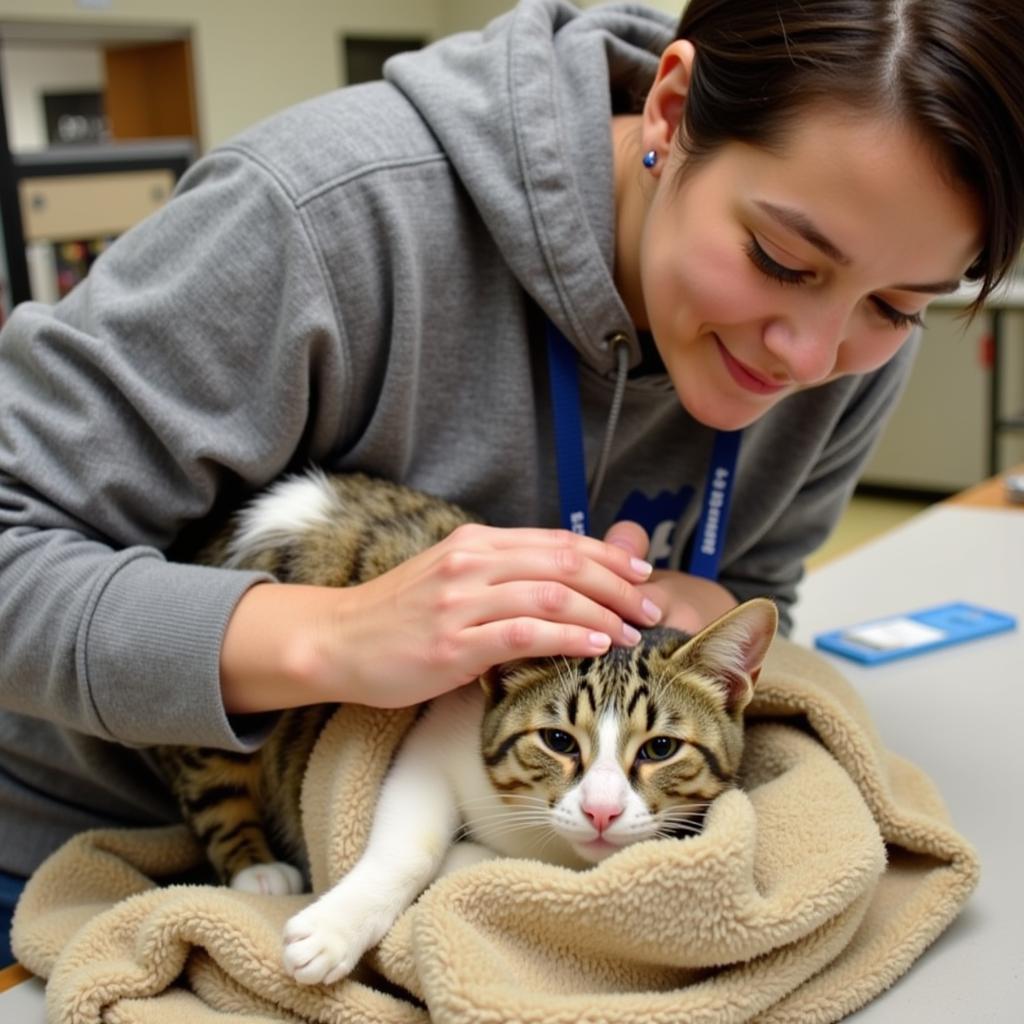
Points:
(689, 602)
(480, 597)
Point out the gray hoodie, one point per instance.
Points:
(360, 282)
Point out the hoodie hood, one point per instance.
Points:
(523, 111)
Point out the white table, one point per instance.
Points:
(958, 713)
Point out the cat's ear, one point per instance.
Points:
(490, 683)
(498, 681)
(733, 648)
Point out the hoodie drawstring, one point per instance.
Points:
(620, 346)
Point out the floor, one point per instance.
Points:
(866, 517)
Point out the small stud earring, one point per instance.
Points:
(650, 159)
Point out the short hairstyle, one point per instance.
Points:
(953, 69)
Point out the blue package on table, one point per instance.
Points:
(900, 636)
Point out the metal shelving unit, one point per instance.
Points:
(1004, 304)
(1000, 421)
(89, 172)
(77, 192)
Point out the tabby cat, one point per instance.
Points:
(561, 760)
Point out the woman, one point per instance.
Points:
(379, 279)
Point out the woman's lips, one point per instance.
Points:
(745, 377)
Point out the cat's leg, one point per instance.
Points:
(415, 819)
(275, 878)
(217, 792)
(463, 855)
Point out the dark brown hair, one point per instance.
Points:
(951, 68)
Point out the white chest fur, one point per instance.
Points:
(448, 740)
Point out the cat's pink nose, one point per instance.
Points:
(602, 815)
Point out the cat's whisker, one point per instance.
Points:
(509, 828)
(678, 822)
(510, 790)
(491, 807)
(495, 819)
(498, 817)
(564, 673)
(524, 798)
(547, 840)
(495, 827)
(682, 822)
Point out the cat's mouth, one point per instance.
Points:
(597, 849)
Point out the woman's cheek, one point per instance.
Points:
(869, 352)
(702, 287)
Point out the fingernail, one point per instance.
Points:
(641, 568)
(651, 610)
(630, 635)
(600, 641)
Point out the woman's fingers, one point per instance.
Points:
(629, 564)
(552, 601)
(565, 578)
(629, 536)
(480, 597)
(495, 642)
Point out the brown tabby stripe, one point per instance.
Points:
(371, 526)
(237, 830)
(572, 707)
(640, 691)
(714, 765)
(510, 741)
(510, 787)
(213, 795)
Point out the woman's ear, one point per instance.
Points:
(663, 109)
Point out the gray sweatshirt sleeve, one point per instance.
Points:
(785, 533)
(200, 354)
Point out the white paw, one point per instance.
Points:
(323, 942)
(277, 879)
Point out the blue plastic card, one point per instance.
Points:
(900, 636)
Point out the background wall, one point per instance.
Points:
(27, 70)
(250, 57)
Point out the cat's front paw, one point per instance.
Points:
(276, 879)
(324, 942)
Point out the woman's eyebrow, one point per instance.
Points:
(798, 221)
(938, 288)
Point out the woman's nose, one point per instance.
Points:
(808, 346)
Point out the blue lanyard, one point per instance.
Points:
(571, 462)
(569, 451)
(714, 512)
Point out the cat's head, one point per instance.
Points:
(632, 745)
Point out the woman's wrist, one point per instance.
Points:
(277, 650)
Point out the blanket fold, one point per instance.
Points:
(811, 889)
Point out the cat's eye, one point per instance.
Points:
(558, 741)
(660, 748)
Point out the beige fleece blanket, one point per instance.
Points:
(810, 890)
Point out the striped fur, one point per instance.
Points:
(665, 718)
(656, 729)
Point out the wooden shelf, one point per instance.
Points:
(989, 493)
(76, 206)
(149, 92)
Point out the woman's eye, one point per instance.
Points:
(772, 268)
(558, 741)
(660, 748)
(899, 320)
